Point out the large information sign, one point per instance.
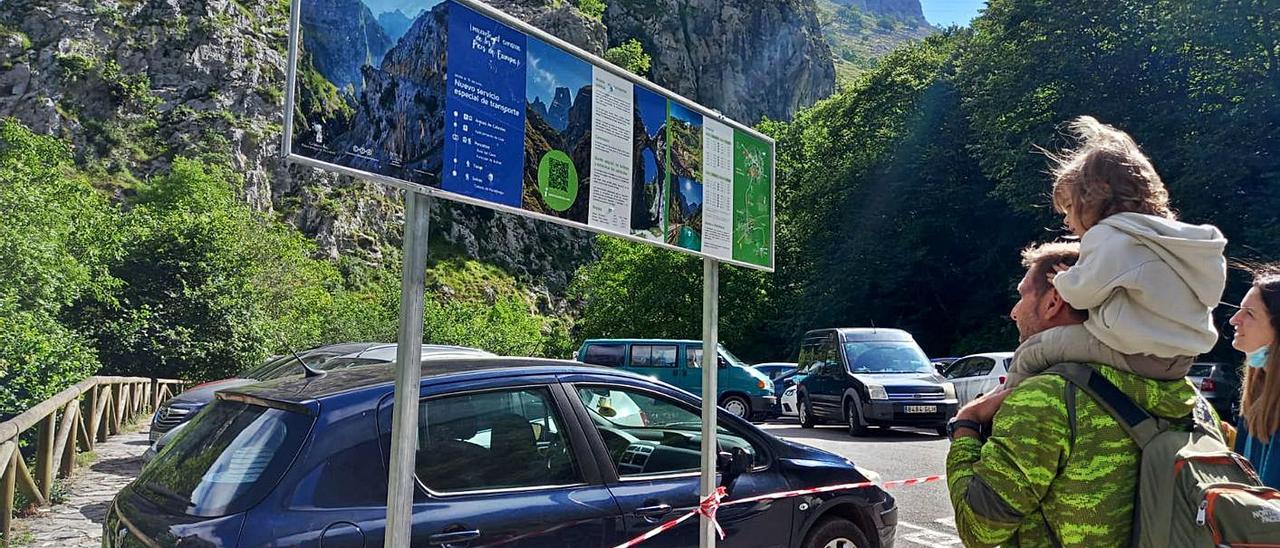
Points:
(461, 101)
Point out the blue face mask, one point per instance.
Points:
(1258, 358)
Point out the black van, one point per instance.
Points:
(870, 377)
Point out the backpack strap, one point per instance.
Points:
(1136, 421)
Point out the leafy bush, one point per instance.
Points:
(629, 55)
(39, 357)
(57, 235)
(75, 65)
(592, 8)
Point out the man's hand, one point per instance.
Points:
(981, 410)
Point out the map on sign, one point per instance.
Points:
(456, 99)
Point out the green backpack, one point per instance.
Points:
(1193, 490)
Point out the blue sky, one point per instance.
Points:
(550, 68)
(944, 13)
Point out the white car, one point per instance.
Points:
(788, 402)
(978, 374)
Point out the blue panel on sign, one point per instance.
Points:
(484, 108)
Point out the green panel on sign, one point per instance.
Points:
(557, 180)
(752, 199)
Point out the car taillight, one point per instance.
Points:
(1207, 385)
(1002, 379)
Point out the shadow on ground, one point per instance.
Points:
(96, 512)
(123, 466)
(841, 433)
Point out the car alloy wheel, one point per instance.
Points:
(835, 533)
(737, 406)
(806, 414)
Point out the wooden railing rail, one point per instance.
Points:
(72, 421)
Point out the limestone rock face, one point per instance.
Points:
(134, 84)
(902, 9)
(746, 58)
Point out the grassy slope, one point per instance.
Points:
(858, 39)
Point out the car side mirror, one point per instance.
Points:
(732, 464)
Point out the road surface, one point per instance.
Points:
(924, 511)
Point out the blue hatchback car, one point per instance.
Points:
(511, 452)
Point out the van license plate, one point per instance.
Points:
(922, 409)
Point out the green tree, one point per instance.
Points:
(57, 235)
(637, 290)
(629, 55)
(1196, 83)
(211, 287)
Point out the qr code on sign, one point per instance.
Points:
(558, 177)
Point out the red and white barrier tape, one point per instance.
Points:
(714, 501)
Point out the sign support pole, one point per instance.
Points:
(710, 372)
(404, 422)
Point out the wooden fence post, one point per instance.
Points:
(44, 453)
(95, 415)
(64, 450)
(7, 485)
(25, 482)
(117, 400)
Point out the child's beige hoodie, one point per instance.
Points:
(1150, 285)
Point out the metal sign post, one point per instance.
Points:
(710, 371)
(404, 421)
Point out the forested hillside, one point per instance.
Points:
(904, 199)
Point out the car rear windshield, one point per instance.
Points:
(226, 460)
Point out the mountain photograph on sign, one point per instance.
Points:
(649, 168)
(684, 162)
(366, 101)
(557, 145)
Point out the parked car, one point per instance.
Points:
(1220, 384)
(741, 389)
(512, 451)
(1198, 372)
(157, 446)
(978, 374)
(774, 370)
(870, 377)
(941, 363)
(179, 409)
(788, 402)
(781, 373)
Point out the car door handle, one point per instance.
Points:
(453, 537)
(655, 511)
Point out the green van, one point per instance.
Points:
(743, 391)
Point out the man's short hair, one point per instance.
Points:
(1040, 259)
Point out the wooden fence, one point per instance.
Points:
(70, 422)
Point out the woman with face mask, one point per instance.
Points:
(1257, 326)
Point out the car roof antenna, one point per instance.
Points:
(307, 371)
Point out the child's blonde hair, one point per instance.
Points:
(1105, 174)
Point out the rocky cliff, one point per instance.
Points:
(901, 9)
(134, 83)
(746, 58)
(349, 38)
(395, 24)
